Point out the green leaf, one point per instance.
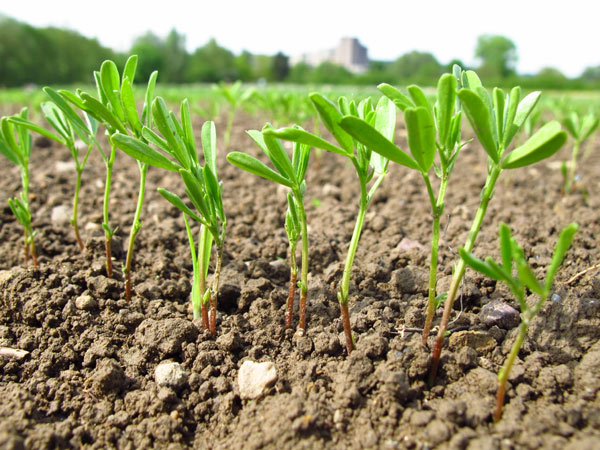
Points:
(36, 128)
(505, 247)
(195, 190)
(331, 117)
(543, 144)
(478, 264)
(209, 145)
(419, 97)
(167, 128)
(253, 165)
(143, 152)
(571, 123)
(523, 110)
(374, 140)
(470, 80)
(498, 99)
(176, 201)
(147, 111)
(479, 116)
(106, 116)
(385, 123)
(109, 76)
(560, 250)
(400, 100)
(588, 126)
(187, 131)
(130, 67)
(212, 188)
(510, 111)
(60, 99)
(155, 139)
(421, 136)
(280, 158)
(304, 137)
(446, 99)
(129, 106)
(529, 279)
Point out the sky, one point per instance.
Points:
(563, 35)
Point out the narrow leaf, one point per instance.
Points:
(176, 201)
(331, 117)
(478, 114)
(560, 250)
(400, 100)
(446, 99)
(129, 69)
(478, 264)
(543, 144)
(505, 247)
(109, 77)
(143, 152)
(304, 137)
(253, 165)
(421, 136)
(209, 145)
(131, 113)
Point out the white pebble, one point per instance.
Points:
(61, 215)
(254, 378)
(170, 374)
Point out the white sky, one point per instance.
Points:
(565, 35)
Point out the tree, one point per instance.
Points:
(281, 67)
(328, 72)
(417, 67)
(175, 57)
(151, 56)
(591, 73)
(300, 73)
(211, 63)
(498, 56)
(244, 66)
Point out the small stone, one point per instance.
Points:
(61, 215)
(5, 275)
(467, 358)
(65, 166)
(407, 244)
(481, 341)
(86, 302)
(254, 378)
(556, 298)
(170, 374)
(499, 313)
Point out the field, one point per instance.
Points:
(87, 374)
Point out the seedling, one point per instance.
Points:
(17, 148)
(495, 121)
(69, 127)
(513, 257)
(236, 97)
(117, 111)
(580, 129)
(369, 167)
(422, 121)
(290, 173)
(176, 139)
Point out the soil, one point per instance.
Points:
(87, 379)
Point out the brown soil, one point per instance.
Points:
(88, 379)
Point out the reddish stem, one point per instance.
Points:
(290, 301)
(500, 400)
(128, 286)
(204, 309)
(347, 328)
(109, 269)
(78, 238)
(213, 316)
(302, 321)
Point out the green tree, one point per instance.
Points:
(244, 66)
(498, 56)
(300, 73)
(150, 49)
(175, 57)
(280, 67)
(328, 72)
(211, 63)
(416, 67)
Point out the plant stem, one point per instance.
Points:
(343, 295)
(571, 178)
(215, 290)
(135, 228)
(108, 233)
(74, 222)
(503, 375)
(459, 270)
(292, 291)
(304, 273)
(437, 209)
(33, 252)
(200, 305)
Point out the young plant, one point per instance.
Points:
(422, 122)
(116, 109)
(17, 148)
(524, 278)
(495, 120)
(369, 167)
(580, 129)
(177, 140)
(290, 173)
(236, 97)
(69, 127)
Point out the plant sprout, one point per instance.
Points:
(580, 129)
(69, 127)
(201, 187)
(495, 121)
(117, 111)
(18, 150)
(422, 121)
(236, 97)
(369, 167)
(290, 173)
(513, 257)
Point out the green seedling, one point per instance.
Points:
(430, 130)
(518, 276)
(369, 167)
(70, 127)
(116, 109)
(495, 119)
(580, 129)
(236, 97)
(17, 148)
(176, 140)
(289, 173)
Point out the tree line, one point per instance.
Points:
(51, 55)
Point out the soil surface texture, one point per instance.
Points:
(79, 362)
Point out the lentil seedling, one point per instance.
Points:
(580, 129)
(290, 173)
(514, 257)
(495, 120)
(236, 97)
(18, 150)
(422, 121)
(201, 187)
(369, 166)
(69, 127)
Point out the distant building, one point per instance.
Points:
(349, 53)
